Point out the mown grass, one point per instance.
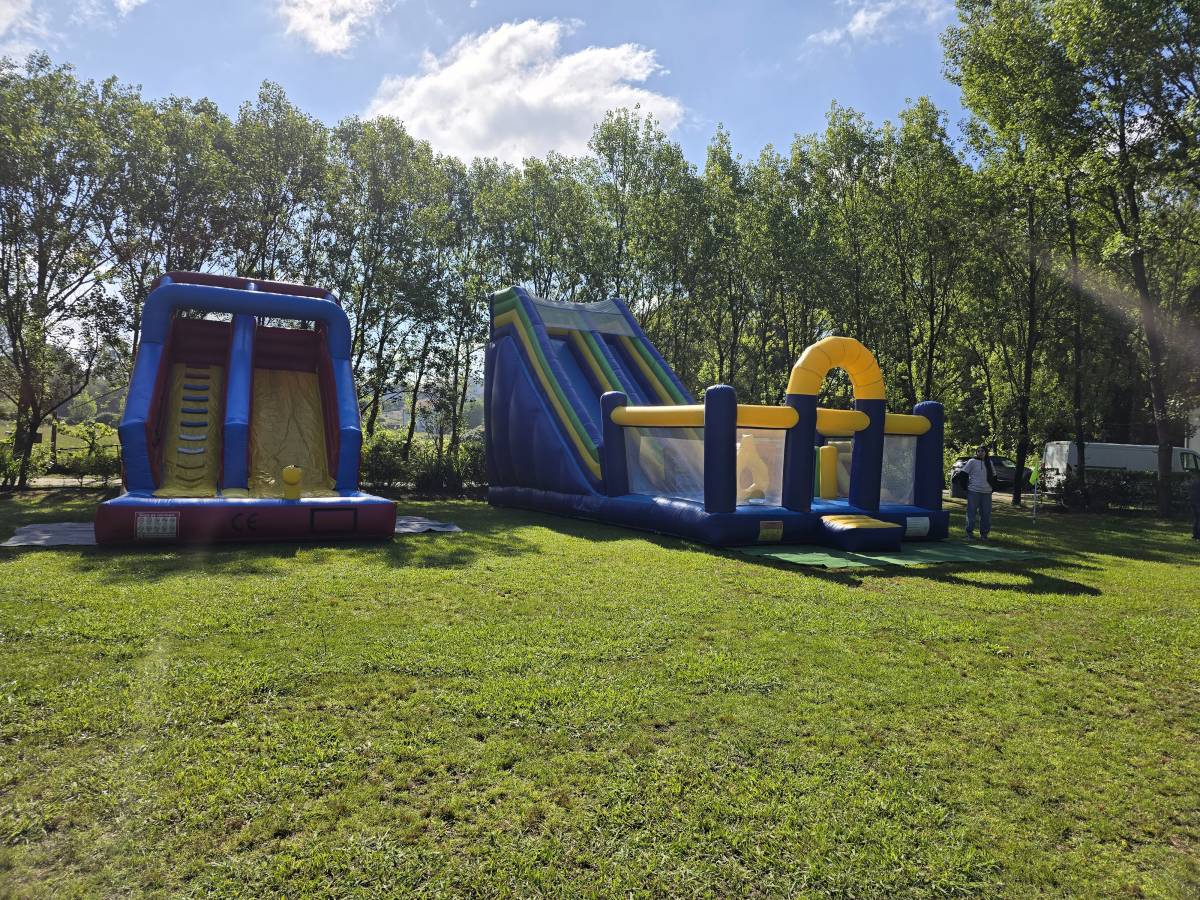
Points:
(541, 706)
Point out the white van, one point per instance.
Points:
(1060, 457)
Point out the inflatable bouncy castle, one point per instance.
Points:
(239, 430)
(584, 418)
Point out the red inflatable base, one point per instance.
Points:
(149, 520)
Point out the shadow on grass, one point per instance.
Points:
(1071, 542)
(486, 532)
(1083, 536)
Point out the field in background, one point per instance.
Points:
(547, 706)
(65, 442)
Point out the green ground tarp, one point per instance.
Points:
(913, 554)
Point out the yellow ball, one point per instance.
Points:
(291, 475)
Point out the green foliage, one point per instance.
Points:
(95, 454)
(11, 459)
(1096, 101)
(426, 469)
(383, 460)
(1109, 491)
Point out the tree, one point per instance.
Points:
(1140, 66)
(57, 167)
(171, 205)
(1106, 89)
(926, 199)
(279, 166)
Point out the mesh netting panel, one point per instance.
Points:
(760, 466)
(603, 316)
(666, 461)
(899, 469)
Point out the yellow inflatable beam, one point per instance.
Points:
(692, 416)
(766, 416)
(837, 352)
(897, 423)
(659, 416)
(841, 422)
(827, 456)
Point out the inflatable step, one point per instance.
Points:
(856, 532)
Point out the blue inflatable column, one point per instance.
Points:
(927, 486)
(866, 464)
(612, 454)
(798, 454)
(235, 458)
(720, 449)
(135, 447)
(489, 423)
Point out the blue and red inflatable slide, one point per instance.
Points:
(239, 430)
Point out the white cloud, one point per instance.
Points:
(13, 13)
(880, 20)
(99, 13)
(511, 92)
(329, 26)
(22, 31)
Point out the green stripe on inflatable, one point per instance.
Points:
(574, 421)
(602, 360)
(504, 303)
(663, 379)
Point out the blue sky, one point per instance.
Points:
(512, 77)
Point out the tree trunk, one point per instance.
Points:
(1078, 348)
(1028, 357)
(416, 393)
(462, 394)
(23, 442)
(1156, 348)
(373, 406)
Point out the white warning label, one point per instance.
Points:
(916, 526)
(153, 526)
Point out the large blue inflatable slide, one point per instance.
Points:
(584, 418)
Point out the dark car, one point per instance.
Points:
(1005, 470)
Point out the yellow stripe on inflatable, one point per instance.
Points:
(651, 377)
(511, 318)
(898, 423)
(749, 416)
(586, 352)
(692, 416)
(856, 521)
(841, 422)
(837, 352)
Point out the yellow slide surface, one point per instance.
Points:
(287, 428)
(191, 455)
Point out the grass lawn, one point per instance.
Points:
(542, 706)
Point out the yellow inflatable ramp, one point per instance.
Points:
(856, 531)
(287, 428)
(191, 449)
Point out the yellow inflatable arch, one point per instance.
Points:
(837, 352)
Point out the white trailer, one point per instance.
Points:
(1061, 457)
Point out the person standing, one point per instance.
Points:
(1194, 496)
(980, 476)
